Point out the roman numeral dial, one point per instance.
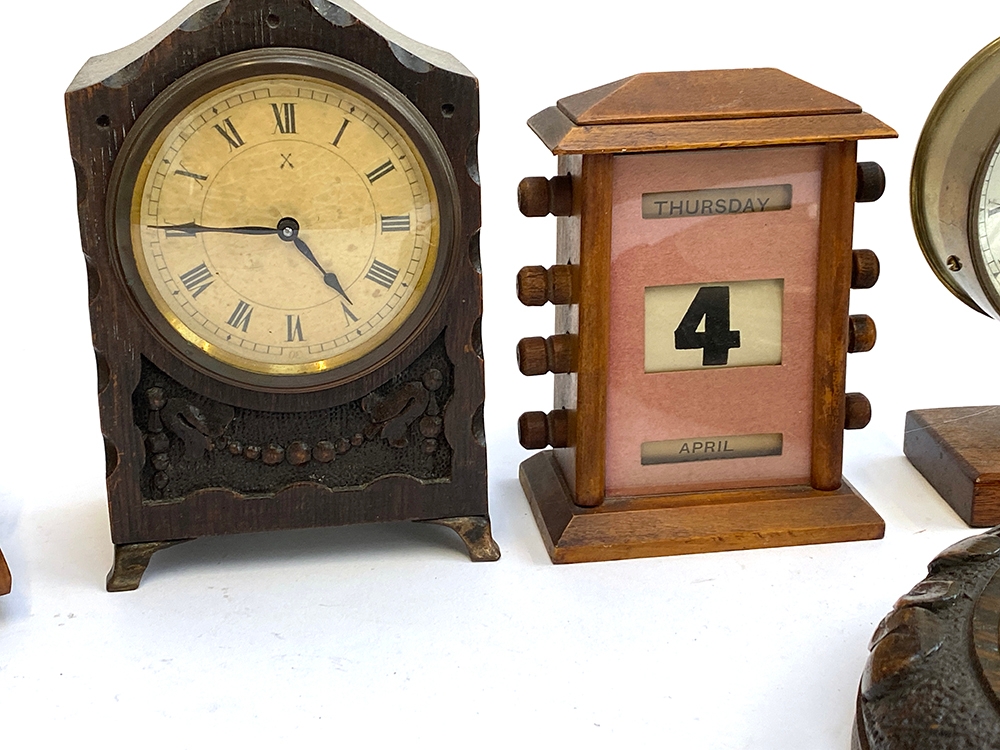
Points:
(286, 225)
(229, 133)
(284, 116)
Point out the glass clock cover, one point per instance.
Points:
(283, 224)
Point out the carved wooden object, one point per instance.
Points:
(932, 679)
(600, 136)
(190, 454)
(4, 576)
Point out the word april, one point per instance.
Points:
(709, 446)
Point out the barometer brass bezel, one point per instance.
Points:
(960, 135)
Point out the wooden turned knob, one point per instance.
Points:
(536, 285)
(861, 334)
(560, 350)
(871, 182)
(859, 411)
(864, 269)
(537, 356)
(532, 282)
(537, 196)
(560, 285)
(532, 358)
(537, 430)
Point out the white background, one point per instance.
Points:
(365, 636)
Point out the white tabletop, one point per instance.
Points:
(388, 634)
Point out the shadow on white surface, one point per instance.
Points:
(380, 541)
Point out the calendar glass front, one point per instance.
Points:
(713, 297)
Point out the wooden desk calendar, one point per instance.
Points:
(279, 207)
(704, 270)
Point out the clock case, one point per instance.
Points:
(190, 453)
(685, 111)
(957, 449)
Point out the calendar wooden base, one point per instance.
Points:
(4, 576)
(958, 452)
(690, 523)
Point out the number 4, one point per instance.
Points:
(710, 304)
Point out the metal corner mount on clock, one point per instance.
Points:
(279, 207)
(955, 203)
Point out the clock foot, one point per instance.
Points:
(131, 561)
(475, 532)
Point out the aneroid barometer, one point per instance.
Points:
(955, 202)
(279, 205)
(704, 268)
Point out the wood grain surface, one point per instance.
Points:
(833, 289)
(102, 106)
(689, 523)
(559, 133)
(932, 679)
(958, 452)
(702, 95)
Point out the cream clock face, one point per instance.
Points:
(988, 221)
(284, 225)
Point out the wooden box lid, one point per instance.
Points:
(701, 109)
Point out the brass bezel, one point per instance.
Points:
(149, 130)
(960, 132)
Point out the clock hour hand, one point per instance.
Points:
(288, 230)
(330, 279)
(192, 228)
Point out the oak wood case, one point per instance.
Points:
(691, 111)
(140, 375)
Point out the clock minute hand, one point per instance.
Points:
(192, 228)
(330, 279)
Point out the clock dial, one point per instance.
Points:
(988, 222)
(284, 225)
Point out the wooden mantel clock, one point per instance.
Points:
(279, 205)
(702, 329)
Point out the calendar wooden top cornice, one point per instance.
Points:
(702, 109)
